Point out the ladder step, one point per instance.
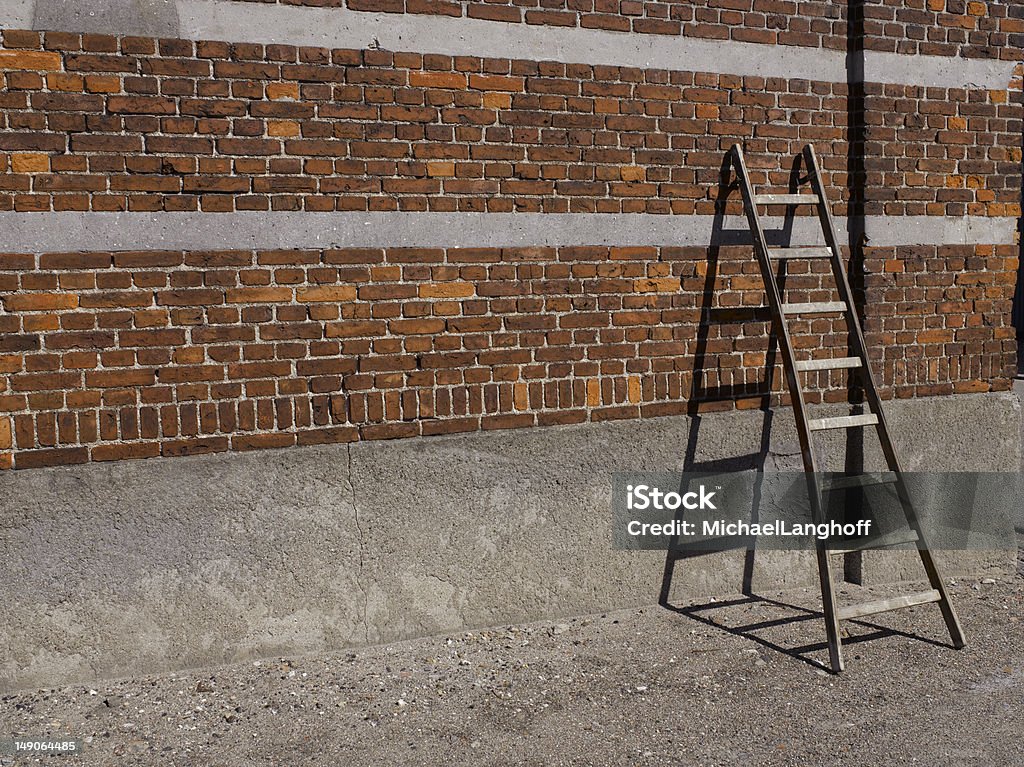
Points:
(830, 363)
(897, 538)
(859, 480)
(821, 307)
(885, 605)
(842, 422)
(786, 199)
(799, 253)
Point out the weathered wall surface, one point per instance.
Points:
(143, 566)
(232, 225)
(283, 239)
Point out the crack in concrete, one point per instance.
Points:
(362, 547)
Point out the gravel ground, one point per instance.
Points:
(636, 687)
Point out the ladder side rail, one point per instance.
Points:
(829, 607)
(778, 318)
(852, 320)
(874, 401)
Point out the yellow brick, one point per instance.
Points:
(957, 123)
(520, 396)
(496, 101)
(61, 81)
(997, 97)
(440, 168)
(5, 433)
(39, 302)
(327, 293)
(656, 285)
(34, 323)
(35, 60)
(496, 83)
(936, 5)
(437, 80)
(103, 84)
(30, 163)
(593, 392)
(257, 295)
(447, 290)
(976, 9)
(6, 461)
(633, 388)
(633, 173)
(278, 91)
(282, 128)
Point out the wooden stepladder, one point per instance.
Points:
(772, 259)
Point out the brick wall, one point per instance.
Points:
(111, 355)
(968, 28)
(101, 123)
(114, 355)
(117, 355)
(939, 151)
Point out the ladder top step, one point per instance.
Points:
(882, 542)
(859, 480)
(820, 307)
(885, 605)
(785, 199)
(842, 422)
(830, 363)
(817, 252)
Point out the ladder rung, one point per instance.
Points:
(842, 422)
(830, 363)
(882, 542)
(885, 605)
(785, 199)
(799, 253)
(821, 307)
(858, 480)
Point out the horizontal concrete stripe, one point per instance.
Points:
(339, 27)
(62, 231)
(939, 230)
(342, 28)
(937, 71)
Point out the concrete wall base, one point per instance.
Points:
(150, 566)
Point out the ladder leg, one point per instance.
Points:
(956, 632)
(828, 607)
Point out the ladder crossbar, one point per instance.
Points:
(786, 199)
(887, 605)
(899, 538)
(842, 422)
(828, 363)
(816, 307)
(797, 252)
(859, 480)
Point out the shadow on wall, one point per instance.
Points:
(707, 389)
